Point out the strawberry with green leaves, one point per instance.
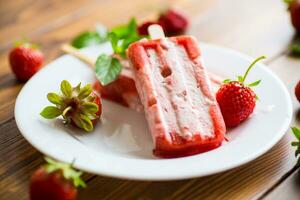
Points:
(77, 105)
(55, 181)
(25, 60)
(236, 99)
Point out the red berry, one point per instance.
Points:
(297, 91)
(25, 61)
(173, 22)
(55, 181)
(295, 14)
(51, 186)
(236, 102)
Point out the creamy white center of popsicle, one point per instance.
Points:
(185, 107)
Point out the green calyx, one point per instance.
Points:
(242, 79)
(74, 104)
(288, 2)
(296, 144)
(68, 172)
(25, 43)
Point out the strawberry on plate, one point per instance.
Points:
(25, 60)
(55, 181)
(80, 106)
(236, 99)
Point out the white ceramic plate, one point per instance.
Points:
(121, 145)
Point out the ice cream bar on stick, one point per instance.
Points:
(182, 113)
(122, 90)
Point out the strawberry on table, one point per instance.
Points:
(78, 105)
(25, 60)
(173, 22)
(55, 181)
(294, 8)
(236, 99)
(297, 91)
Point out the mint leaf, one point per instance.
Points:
(86, 39)
(107, 69)
(51, 112)
(295, 49)
(122, 36)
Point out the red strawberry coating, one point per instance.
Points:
(297, 91)
(236, 101)
(25, 61)
(51, 186)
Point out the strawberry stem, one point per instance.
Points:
(250, 67)
(66, 110)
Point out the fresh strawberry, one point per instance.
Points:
(297, 91)
(173, 22)
(80, 106)
(55, 181)
(294, 8)
(25, 60)
(237, 100)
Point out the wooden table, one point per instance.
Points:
(257, 27)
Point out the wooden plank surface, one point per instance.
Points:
(240, 25)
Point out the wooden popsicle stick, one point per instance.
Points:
(75, 52)
(156, 32)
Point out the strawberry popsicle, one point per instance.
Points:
(182, 113)
(123, 90)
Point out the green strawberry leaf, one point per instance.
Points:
(254, 83)
(55, 98)
(226, 81)
(51, 112)
(107, 69)
(240, 79)
(296, 132)
(85, 91)
(66, 88)
(86, 123)
(68, 172)
(90, 107)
